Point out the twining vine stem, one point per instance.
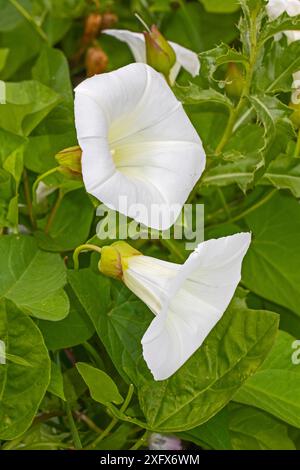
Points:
(28, 199)
(114, 421)
(235, 112)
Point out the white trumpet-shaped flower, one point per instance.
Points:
(138, 144)
(276, 8)
(187, 300)
(185, 58)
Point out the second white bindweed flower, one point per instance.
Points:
(187, 300)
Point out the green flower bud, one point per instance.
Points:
(295, 116)
(235, 81)
(114, 259)
(160, 55)
(69, 161)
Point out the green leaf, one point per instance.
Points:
(271, 112)
(205, 383)
(22, 41)
(191, 26)
(13, 213)
(192, 94)
(71, 224)
(252, 429)
(56, 385)
(275, 387)
(102, 388)
(57, 131)
(32, 279)
(221, 6)
(74, 385)
(76, 328)
(240, 172)
(210, 121)
(21, 387)
(27, 104)
(264, 115)
(275, 72)
(283, 173)
(214, 433)
(279, 25)
(52, 70)
(223, 54)
(6, 186)
(10, 17)
(14, 164)
(9, 144)
(241, 159)
(271, 266)
(68, 8)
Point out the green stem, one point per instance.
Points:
(28, 199)
(229, 128)
(140, 442)
(224, 202)
(88, 421)
(235, 112)
(140, 19)
(29, 18)
(66, 405)
(54, 211)
(79, 249)
(114, 421)
(93, 353)
(41, 178)
(73, 428)
(243, 214)
(255, 206)
(297, 149)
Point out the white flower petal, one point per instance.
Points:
(276, 8)
(137, 142)
(135, 42)
(186, 58)
(43, 191)
(199, 296)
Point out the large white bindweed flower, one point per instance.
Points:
(137, 143)
(185, 58)
(187, 300)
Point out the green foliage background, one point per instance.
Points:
(240, 390)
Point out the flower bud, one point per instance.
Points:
(69, 161)
(95, 61)
(108, 20)
(235, 81)
(160, 55)
(295, 116)
(114, 259)
(92, 27)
